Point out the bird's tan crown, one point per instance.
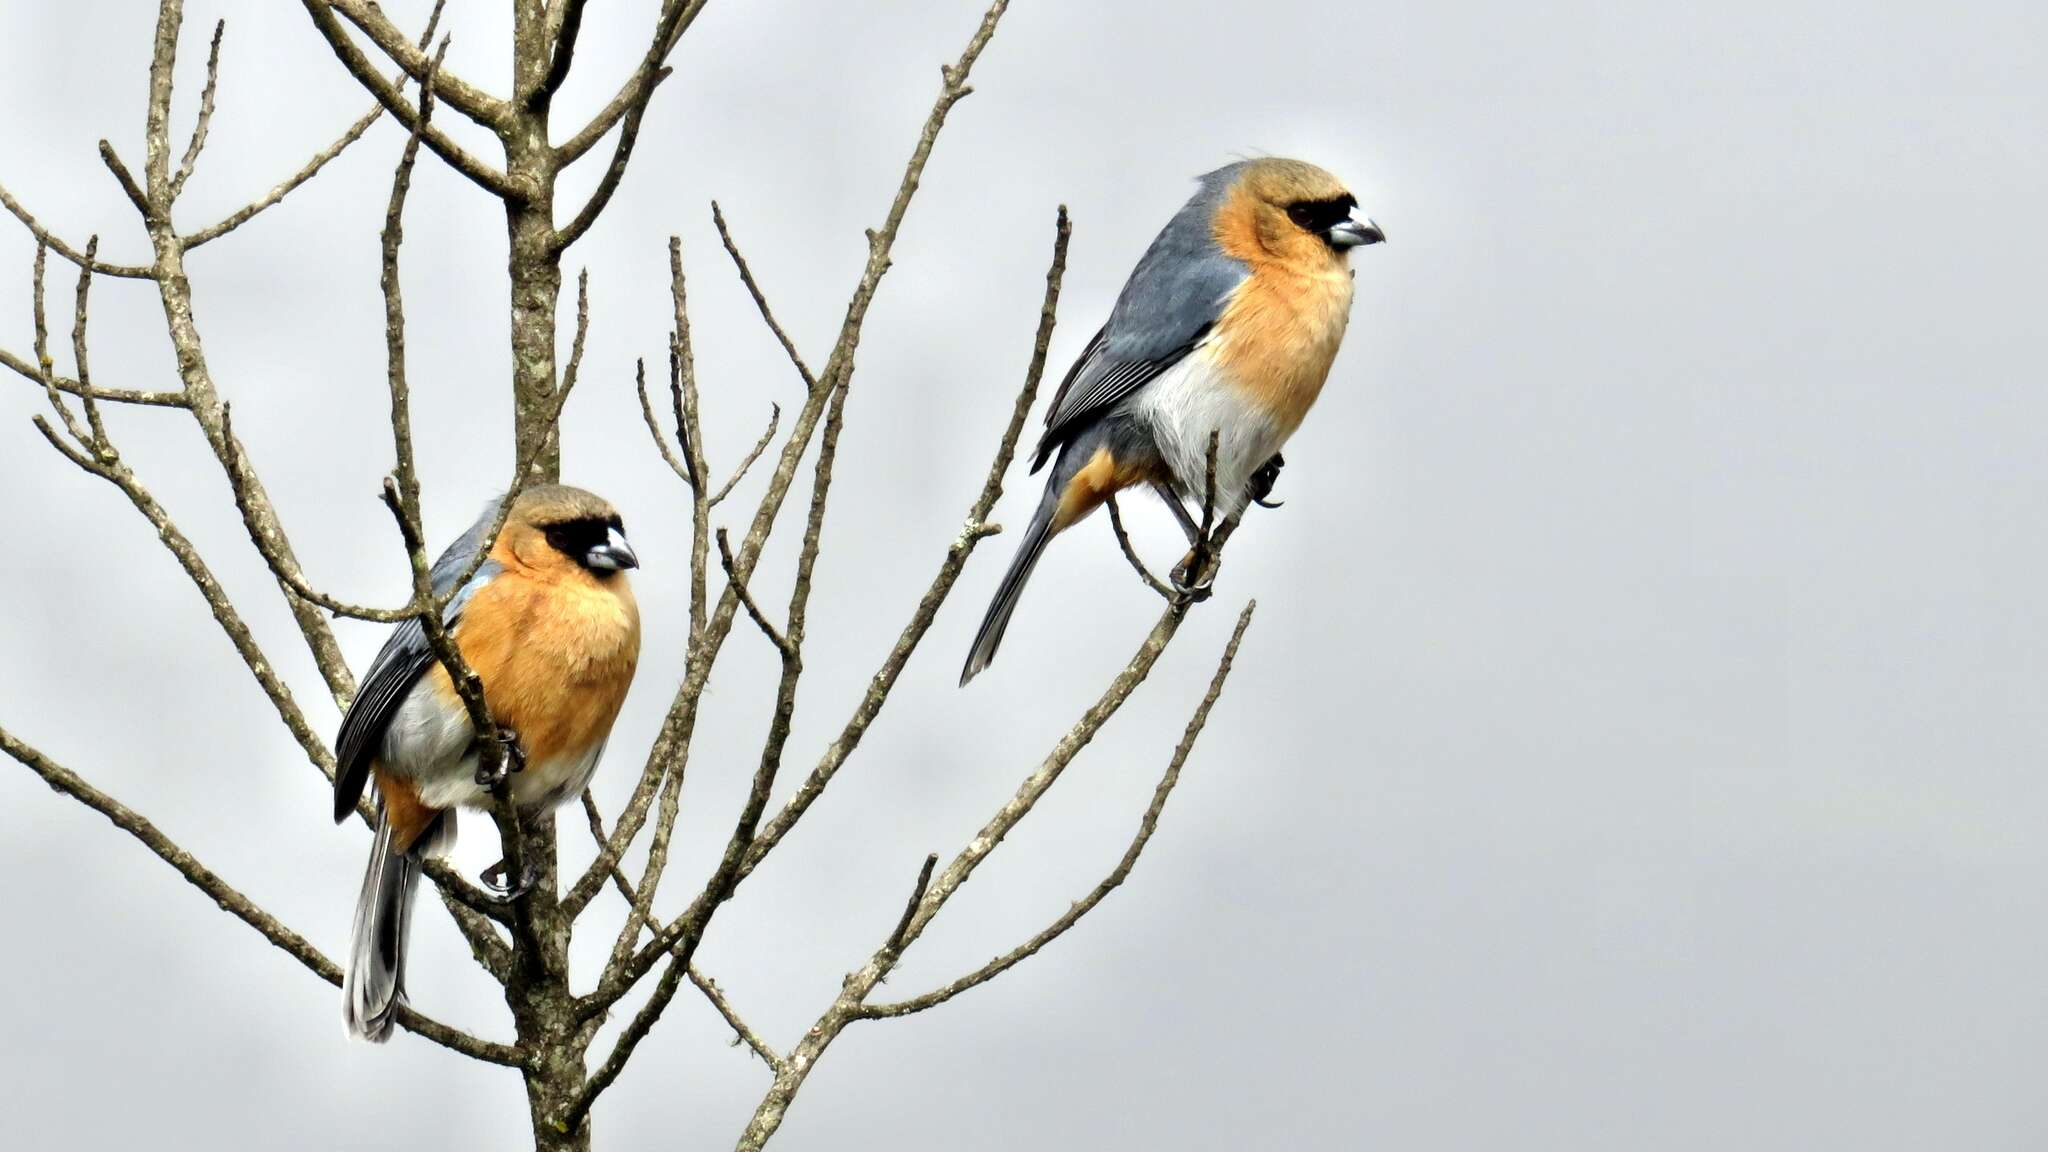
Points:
(1281, 182)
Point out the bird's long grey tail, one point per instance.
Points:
(1028, 551)
(374, 988)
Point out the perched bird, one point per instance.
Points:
(1227, 326)
(549, 624)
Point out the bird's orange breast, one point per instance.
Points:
(556, 657)
(1279, 334)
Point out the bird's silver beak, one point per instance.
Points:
(613, 554)
(1352, 233)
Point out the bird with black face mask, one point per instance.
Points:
(549, 624)
(1227, 328)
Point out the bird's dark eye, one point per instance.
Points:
(575, 538)
(1319, 216)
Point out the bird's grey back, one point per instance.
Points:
(1182, 281)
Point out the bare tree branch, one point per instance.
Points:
(901, 936)
(449, 89)
(126, 179)
(565, 23)
(775, 636)
(234, 903)
(1147, 825)
(96, 453)
(683, 398)
(614, 172)
(287, 186)
(80, 359)
(682, 373)
(641, 914)
(57, 245)
(668, 456)
(104, 395)
(675, 19)
(760, 301)
(972, 532)
(402, 496)
(387, 93)
(673, 742)
(859, 984)
(98, 456)
(205, 121)
(597, 836)
(746, 462)
(716, 995)
(1123, 541)
(555, 1029)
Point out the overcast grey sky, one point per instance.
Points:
(1639, 745)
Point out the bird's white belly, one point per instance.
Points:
(542, 785)
(1184, 406)
(429, 743)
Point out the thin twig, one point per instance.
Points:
(100, 459)
(973, 531)
(388, 94)
(683, 391)
(675, 19)
(1147, 825)
(283, 567)
(235, 903)
(898, 938)
(760, 300)
(411, 56)
(688, 406)
(741, 1031)
(570, 15)
(57, 245)
(72, 387)
(205, 120)
(288, 185)
(614, 172)
(675, 463)
(854, 990)
(753, 454)
(641, 914)
(671, 746)
(774, 634)
(402, 497)
(126, 179)
(597, 837)
(311, 168)
(79, 359)
(1123, 541)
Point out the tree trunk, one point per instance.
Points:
(535, 271)
(535, 266)
(544, 1008)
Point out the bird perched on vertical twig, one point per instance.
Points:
(1227, 328)
(549, 624)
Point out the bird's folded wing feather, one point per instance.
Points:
(399, 664)
(1172, 300)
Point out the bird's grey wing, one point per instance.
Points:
(1170, 303)
(399, 664)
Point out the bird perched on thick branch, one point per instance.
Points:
(549, 624)
(1227, 327)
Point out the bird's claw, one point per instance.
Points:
(513, 759)
(497, 890)
(1263, 480)
(1183, 582)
